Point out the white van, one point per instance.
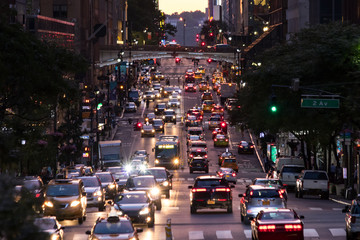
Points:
(289, 173)
(288, 161)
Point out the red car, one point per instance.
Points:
(277, 224)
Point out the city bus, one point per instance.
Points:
(167, 152)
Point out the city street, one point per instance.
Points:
(323, 218)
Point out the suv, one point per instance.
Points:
(352, 225)
(210, 192)
(163, 178)
(289, 173)
(196, 152)
(66, 199)
(169, 116)
(313, 182)
(257, 198)
(36, 188)
(95, 193)
(199, 164)
(135, 96)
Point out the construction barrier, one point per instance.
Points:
(168, 230)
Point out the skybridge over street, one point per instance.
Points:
(112, 56)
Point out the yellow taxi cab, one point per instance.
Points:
(230, 162)
(204, 86)
(208, 105)
(206, 96)
(201, 69)
(198, 75)
(217, 109)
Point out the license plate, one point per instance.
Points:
(266, 202)
(210, 202)
(227, 175)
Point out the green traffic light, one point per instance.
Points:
(273, 108)
(99, 106)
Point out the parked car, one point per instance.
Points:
(314, 182)
(352, 223)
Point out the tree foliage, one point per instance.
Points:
(326, 60)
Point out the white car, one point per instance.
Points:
(175, 95)
(174, 102)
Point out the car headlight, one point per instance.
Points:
(142, 131)
(173, 116)
(165, 91)
(144, 211)
(48, 204)
(176, 161)
(161, 126)
(165, 184)
(157, 161)
(128, 168)
(111, 186)
(153, 130)
(163, 117)
(97, 193)
(155, 191)
(54, 236)
(156, 110)
(74, 203)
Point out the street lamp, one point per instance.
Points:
(183, 20)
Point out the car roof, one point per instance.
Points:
(261, 187)
(226, 169)
(211, 177)
(133, 192)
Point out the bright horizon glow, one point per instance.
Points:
(171, 6)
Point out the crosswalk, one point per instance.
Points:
(309, 233)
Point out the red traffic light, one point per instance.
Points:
(177, 60)
(197, 35)
(209, 60)
(211, 34)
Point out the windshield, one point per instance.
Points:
(158, 123)
(105, 177)
(133, 94)
(157, 173)
(210, 182)
(194, 137)
(315, 176)
(111, 157)
(62, 190)
(141, 182)
(292, 169)
(195, 132)
(131, 198)
(166, 152)
(268, 193)
(168, 113)
(215, 119)
(267, 182)
(45, 223)
(277, 215)
(230, 161)
(32, 185)
(90, 182)
(113, 228)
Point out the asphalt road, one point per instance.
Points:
(323, 218)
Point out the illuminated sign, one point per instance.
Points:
(166, 146)
(85, 155)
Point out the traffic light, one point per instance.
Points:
(209, 60)
(99, 106)
(273, 104)
(211, 34)
(197, 37)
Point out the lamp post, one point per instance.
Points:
(183, 20)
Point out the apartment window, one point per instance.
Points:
(60, 11)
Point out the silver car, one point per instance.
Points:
(257, 198)
(351, 219)
(228, 173)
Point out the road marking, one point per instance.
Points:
(181, 179)
(172, 208)
(310, 232)
(338, 232)
(247, 233)
(196, 235)
(226, 234)
(337, 209)
(190, 179)
(80, 237)
(316, 209)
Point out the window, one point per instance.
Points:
(60, 11)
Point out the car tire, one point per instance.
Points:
(102, 207)
(191, 171)
(167, 194)
(158, 205)
(325, 195)
(81, 220)
(300, 194)
(193, 210)
(230, 208)
(152, 222)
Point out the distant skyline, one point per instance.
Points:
(171, 6)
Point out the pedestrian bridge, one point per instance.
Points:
(110, 56)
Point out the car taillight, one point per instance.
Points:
(212, 109)
(37, 195)
(353, 219)
(293, 227)
(139, 124)
(240, 146)
(282, 191)
(205, 156)
(186, 87)
(221, 174)
(252, 146)
(215, 139)
(267, 228)
(222, 189)
(222, 109)
(198, 190)
(223, 124)
(191, 155)
(201, 117)
(233, 174)
(214, 132)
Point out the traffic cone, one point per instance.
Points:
(168, 230)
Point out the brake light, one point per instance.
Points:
(233, 174)
(226, 140)
(221, 174)
(139, 124)
(240, 146)
(199, 150)
(293, 227)
(252, 146)
(191, 155)
(222, 200)
(201, 117)
(282, 191)
(205, 156)
(198, 190)
(223, 124)
(353, 219)
(214, 132)
(222, 189)
(186, 87)
(188, 114)
(267, 228)
(215, 140)
(222, 109)
(37, 195)
(212, 109)
(251, 193)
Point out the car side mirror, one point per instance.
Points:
(189, 187)
(302, 217)
(88, 232)
(251, 218)
(241, 195)
(139, 230)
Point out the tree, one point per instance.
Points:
(326, 60)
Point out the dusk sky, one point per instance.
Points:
(172, 6)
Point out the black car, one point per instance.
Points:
(210, 192)
(158, 125)
(190, 87)
(160, 108)
(245, 147)
(135, 96)
(35, 186)
(108, 183)
(145, 183)
(199, 164)
(169, 116)
(162, 176)
(138, 206)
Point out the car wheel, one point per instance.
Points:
(101, 207)
(158, 205)
(191, 171)
(80, 220)
(300, 194)
(193, 210)
(229, 208)
(167, 194)
(152, 222)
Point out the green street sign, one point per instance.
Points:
(319, 103)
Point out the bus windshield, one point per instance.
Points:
(166, 151)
